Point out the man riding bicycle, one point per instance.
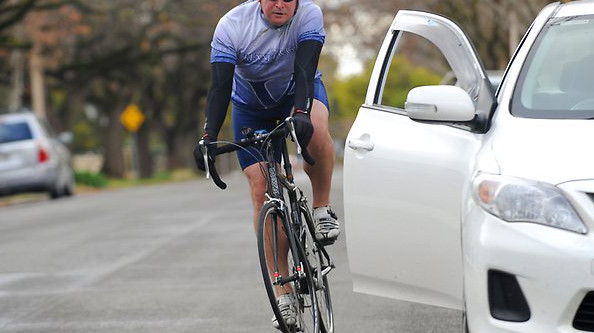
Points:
(264, 59)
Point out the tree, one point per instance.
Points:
(11, 13)
(154, 54)
(494, 26)
(350, 93)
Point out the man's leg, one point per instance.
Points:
(321, 148)
(284, 296)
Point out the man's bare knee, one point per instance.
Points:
(257, 184)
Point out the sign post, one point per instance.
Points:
(132, 118)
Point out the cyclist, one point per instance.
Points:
(264, 59)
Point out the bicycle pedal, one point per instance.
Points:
(319, 285)
(326, 242)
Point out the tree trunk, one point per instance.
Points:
(179, 151)
(113, 161)
(37, 81)
(145, 160)
(17, 81)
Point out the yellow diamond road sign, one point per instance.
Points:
(132, 118)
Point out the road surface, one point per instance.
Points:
(169, 258)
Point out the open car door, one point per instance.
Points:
(403, 180)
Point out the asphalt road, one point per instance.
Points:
(168, 258)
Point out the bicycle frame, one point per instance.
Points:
(292, 223)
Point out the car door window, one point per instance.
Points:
(416, 62)
(445, 36)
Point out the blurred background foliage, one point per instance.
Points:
(81, 62)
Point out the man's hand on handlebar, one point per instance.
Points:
(303, 128)
(203, 145)
(304, 131)
(204, 156)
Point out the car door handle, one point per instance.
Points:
(361, 144)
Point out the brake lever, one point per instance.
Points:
(205, 156)
(293, 133)
(211, 173)
(304, 153)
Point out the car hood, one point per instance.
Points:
(549, 150)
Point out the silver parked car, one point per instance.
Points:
(33, 158)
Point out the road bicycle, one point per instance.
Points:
(285, 214)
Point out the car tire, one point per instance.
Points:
(55, 192)
(69, 188)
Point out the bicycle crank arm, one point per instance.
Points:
(282, 281)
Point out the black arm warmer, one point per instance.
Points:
(306, 63)
(218, 97)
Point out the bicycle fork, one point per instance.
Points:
(293, 276)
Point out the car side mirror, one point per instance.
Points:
(439, 103)
(65, 137)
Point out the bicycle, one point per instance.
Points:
(305, 275)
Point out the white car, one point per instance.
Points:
(33, 158)
(475, 200)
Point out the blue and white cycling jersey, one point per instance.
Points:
(264, 55)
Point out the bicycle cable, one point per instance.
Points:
(264, 146)
(258, 151)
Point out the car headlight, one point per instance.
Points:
(520, 200)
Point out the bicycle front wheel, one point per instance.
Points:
(319, 266)
(285, 271)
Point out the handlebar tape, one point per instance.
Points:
(215, 177)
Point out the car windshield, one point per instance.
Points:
(557, 79)
(11, 132)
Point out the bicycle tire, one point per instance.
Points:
(300, 287)
(317, 264)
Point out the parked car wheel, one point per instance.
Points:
(69, 188)
(56, 192)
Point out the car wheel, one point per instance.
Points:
(55, 192)
(69, 188)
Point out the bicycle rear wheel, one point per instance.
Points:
(288, 276)
(319, 266)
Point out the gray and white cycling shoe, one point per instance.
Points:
(286, 304)
(326, 223)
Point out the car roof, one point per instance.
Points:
(20, 116)
(576, 8)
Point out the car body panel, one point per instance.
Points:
(17, 155)
(554, 280)
(575, 8)
(391, 191)
(544, 149)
